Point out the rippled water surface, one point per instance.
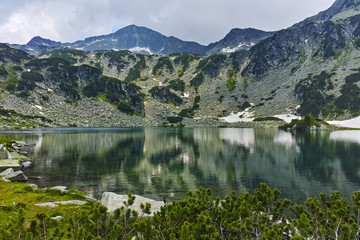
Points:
(157, 161)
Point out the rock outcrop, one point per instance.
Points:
(114, 201)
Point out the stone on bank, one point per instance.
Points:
(114, 201)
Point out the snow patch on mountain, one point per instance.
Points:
(240, 46)
(138, 49)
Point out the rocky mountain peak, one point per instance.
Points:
(340, 9)
(39, 41)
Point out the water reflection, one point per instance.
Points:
(157, 161)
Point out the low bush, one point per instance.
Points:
(261, 215)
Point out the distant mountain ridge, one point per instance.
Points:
(146, 41)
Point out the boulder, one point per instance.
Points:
(114, 201)
(55, 204)
(5, 180)
(33, 186)
(8, 163)
(75, 202)
(17, 176)
(48, 204)
(57, 218)
(6, 172)
(26, 164)
(60, 188)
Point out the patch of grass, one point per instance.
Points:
(19, 195)
(306, 123)
(125, 108)
(197, 80)
(11, 81)
(135, 72)
(163, 63)
(7, 143)
(231, 80)
(261, 119)
(177, 85)
(175, 119)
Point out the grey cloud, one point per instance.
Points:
(203, 21)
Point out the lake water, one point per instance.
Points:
(157, 161)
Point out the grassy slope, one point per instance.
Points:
(19, 195)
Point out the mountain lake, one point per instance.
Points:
(153, 162)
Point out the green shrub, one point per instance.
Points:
(177, 85)
(304, 124)
(135, 72)
(260, 119)
(231, 81)
(163, 63)
(125, 108)
(175, 119)
(32, 76)
(260, 215)
(7, 143)
(3, 72)
(197, 80)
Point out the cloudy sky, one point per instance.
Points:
(204, 21)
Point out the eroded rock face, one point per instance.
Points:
(114, 201)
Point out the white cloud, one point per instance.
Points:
(204, 21)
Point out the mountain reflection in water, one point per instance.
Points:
(157, 161)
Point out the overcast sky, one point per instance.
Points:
(204, 21)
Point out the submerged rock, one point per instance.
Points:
(114, 201)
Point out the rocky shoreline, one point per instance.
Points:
(12, 160)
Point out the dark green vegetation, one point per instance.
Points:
(177, 85)
(261, 215)
(12, 55)
(3, 72)
(184, 60)
(260, 119)
(189, 112)
(307, 123)
(350, 98)
(164, 95)
(69, 55)
(124, 96)
(163, 63)
(16, 120)
(315, 100)
(7, 143)
(135, 72)
(231, 81)
(311, 91)
(212, 65)
(176, 119)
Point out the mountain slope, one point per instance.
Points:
(310, 68)
(238, 39)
